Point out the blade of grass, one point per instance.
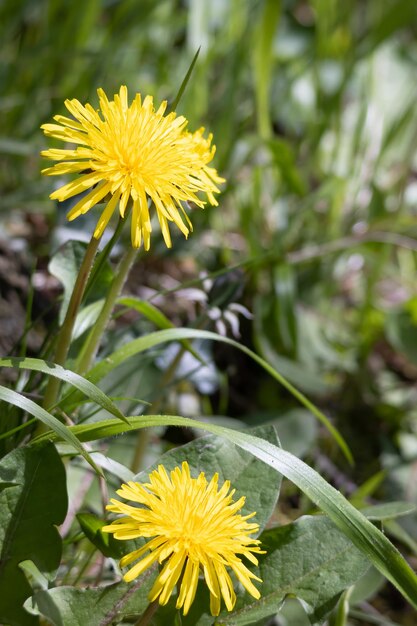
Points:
(262, 59)
(59, 429)
(85, 386)
(179, 334)
(185, 81)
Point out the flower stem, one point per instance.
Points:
(146, 617)
(65, 334)
(93, 342)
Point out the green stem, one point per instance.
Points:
(90, 552)
(146, 617)
(104, 254)
(93, 342)
(65, 334)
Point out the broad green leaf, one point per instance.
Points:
(210, 454)
(199, 614)
(297, 428)
(309, 559)
(213, 454)
(77, 381)
(68, 606)
(63, 432)
(371, 541)
(65, 265)
(367, 586)
(91, 526)
(178, 334)
(33, 501)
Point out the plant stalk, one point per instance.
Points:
(146, 617)
(93, 342)
(65, 334)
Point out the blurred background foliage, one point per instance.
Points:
(311, 256)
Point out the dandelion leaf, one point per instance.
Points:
(33, 501)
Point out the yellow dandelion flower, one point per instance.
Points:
(193, 526)
(132, 152)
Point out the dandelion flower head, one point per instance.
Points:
(132, 153)
(193, 527)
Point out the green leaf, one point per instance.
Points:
(11, 146)
(284, 158)
(178, 334)
(184, 83)
(112, 466)
(395, 15)
(285, 306)
(309, 559)
(297, 428)
(77, 381)
(86, 318)
(388, 510)
(150, 311)
(64, 265)
(154, 315)
(91, 526)
(33, 501)
(34, 576)
(68, 606)
(394, 529)
(294, 371)
(213, 454)
(371, 541)
(262, 59)
(367, 586)
(349, 520)
(63, 432)
(402, 334)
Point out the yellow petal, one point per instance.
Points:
(89, 201)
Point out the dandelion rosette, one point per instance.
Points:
(194, 527)
(132, 152)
